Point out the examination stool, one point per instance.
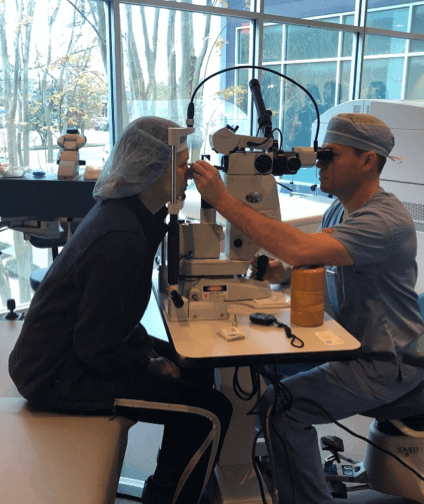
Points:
(50, 458)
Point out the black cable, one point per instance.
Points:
(268, 319)
(190, 111)
(289, 334)
(281, 136)
(281, 390)
(285, 187)
(247, 396)
(253, 144)
(255, 465)
(359, 436)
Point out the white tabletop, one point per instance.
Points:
(198, 344)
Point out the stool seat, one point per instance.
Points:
(49, 458)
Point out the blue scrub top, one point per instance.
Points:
(374, 299)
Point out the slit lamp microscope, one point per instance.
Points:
(68, 160)
(200, 279)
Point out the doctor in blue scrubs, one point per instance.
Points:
(367, 242)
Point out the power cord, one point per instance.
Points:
(255, 373)
(285, 399)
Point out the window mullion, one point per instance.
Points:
(115, 71)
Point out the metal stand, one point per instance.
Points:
(235, 479)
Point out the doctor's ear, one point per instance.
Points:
(370, 159)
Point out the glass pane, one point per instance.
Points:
(271, 85)
(311, 43)
(389, 19)
(382, 78)
(417, 27)
(224, 4)
(166, 60)
(346, 68)
(377, 44)
(347, 37)
(347, 44)
(348, 20)
(307, 9)
(378, 4)
(243, 44)
(415, 79)
(242, 80)
(298, 110)
(59, 81)
(272, 45)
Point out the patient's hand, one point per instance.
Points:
(162, 366)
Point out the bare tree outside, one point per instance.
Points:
(53, 60)
(54, 76)
(56, 61)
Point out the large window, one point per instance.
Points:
(307, 9)
(318, 59)
(53, 77)
(98, 64)
(163, 68)
(415, 84)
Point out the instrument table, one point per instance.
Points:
(197, 344)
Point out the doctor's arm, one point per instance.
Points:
(279, 239)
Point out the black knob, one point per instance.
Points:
(177, 299)
(11, 305)
(262, 265)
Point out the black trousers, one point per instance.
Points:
(183, 432)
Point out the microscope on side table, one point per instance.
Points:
(68, 160)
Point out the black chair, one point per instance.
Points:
(398, 429)
(37, 277)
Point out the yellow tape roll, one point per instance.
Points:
(307, 296)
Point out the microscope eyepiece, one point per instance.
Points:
(324, 154)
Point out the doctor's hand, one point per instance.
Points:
(161, 366)
(208, 182)
(275, 273)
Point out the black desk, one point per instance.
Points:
(46, 198)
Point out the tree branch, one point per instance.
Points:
(86, 18)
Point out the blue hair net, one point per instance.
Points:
(360, 131)
(138, 159)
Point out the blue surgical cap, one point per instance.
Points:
(360, 131)
(138, 159)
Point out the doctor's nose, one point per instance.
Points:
(322, 165)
